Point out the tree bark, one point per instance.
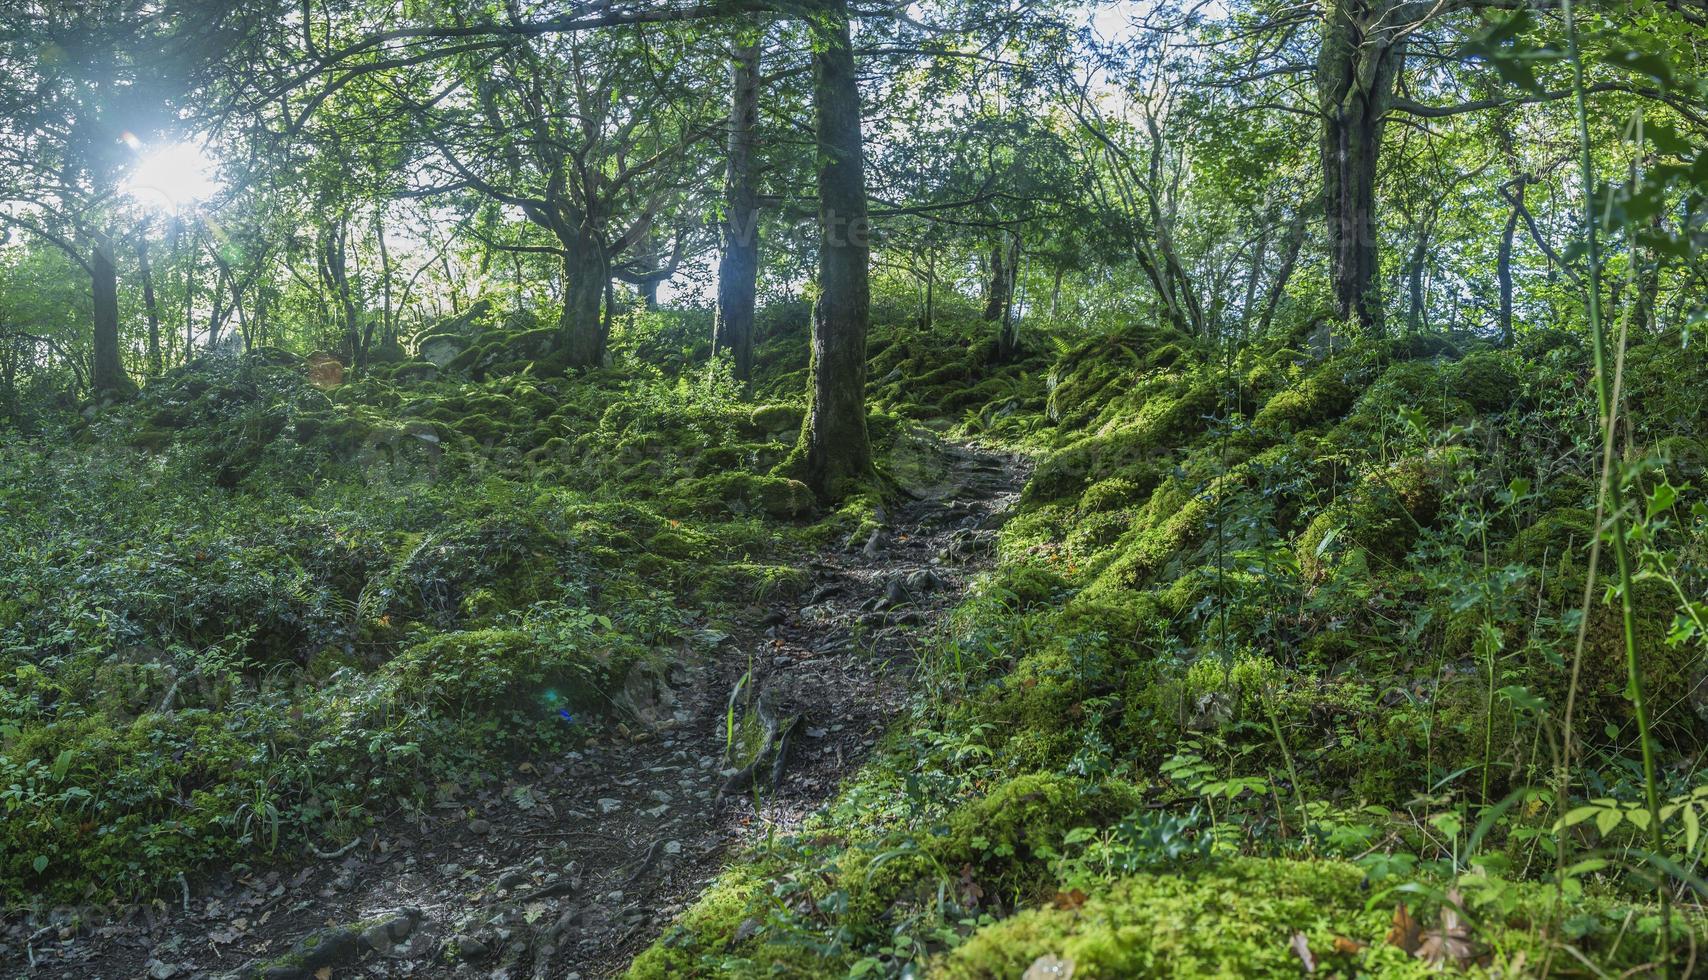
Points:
(155, 365)
(107, 374)
(1503, 270)
(738, 269)
(1416, 321)
(1363, 50)
(581, 329)
(1289, 260)
(996, 289)
(1008, 337)
(834, 442)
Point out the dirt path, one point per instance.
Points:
(575, 864)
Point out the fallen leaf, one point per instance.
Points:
(1347, 947)
(1406, 934)
(324, 973)
(1302, 945)
(1070, 899)
(1451, 942)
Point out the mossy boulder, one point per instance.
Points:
(773, 496)
(1376, 520)
(1487, 380)
(777, 420)
(1315, 399)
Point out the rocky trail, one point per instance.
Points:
(571, 866)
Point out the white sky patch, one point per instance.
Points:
(172, 177)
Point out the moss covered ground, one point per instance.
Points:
(1275, 662)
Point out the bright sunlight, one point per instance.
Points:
(172, 177)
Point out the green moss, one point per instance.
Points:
(1487, 380)
(1319, 397)
(1560, 535)
(1028, 585)
(1237, 919)
(1116, 491)
(1376, 520)
(778, 419)
(774, 496)
(1131, 449)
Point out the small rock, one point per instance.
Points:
(480, 827)
(608, 805)
(469, 949)
(657, 811)
(158, 970)
(673, 847)
(895, 593)
(874, 544)
(659, 796)
(385, 935)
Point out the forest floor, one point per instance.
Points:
(572, 865)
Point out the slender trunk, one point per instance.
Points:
(930, 290)
(148, 304)
(1416, 321)
(738, 270)
(1503, 270)
(1259, 254)
(996, 289)
(216, 315)
(1056, 293)
(388, 321)
(190, 302)
(1008, 338)
(1289, 260)
(107, 374)
(649, 295)
(834, 442)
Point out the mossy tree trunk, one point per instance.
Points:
(581, 327)
(738, 268)
(834, 444)
(107, 375)
(1363, 50)
(996, 291)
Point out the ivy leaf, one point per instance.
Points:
(1644, 63)
(1607, 819)
(40, 863)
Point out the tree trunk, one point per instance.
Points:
(930, 291)
(1503, 270)
(1008, 337)
(1259, 255)
(738, 270)
(996, 290)
(1363, 50)
(836, 448)
(1289, 260)
(1416, 321)
(581, 330)
(107, 376)
(1056, 292)
(649, 294)
(155, 365)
